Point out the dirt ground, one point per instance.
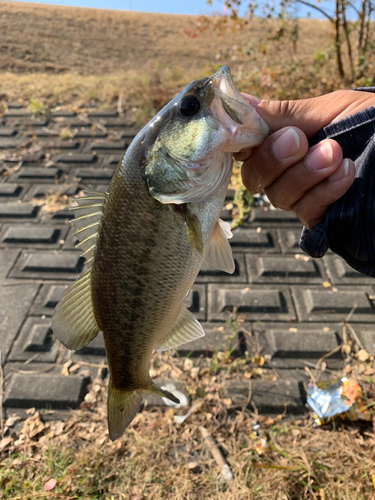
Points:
(58, 39)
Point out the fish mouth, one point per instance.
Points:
(223, 82)
(245, 127)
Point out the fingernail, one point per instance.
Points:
(286, 145)
(320, 157)
(341, 172)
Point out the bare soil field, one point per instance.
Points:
(77, 58)
(46, 38)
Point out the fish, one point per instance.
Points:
(146, 238)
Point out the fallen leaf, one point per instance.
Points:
(49, 485)
(326, 284)
(346, 348)
(305, 258)
(5, 442)
(193, 465)
(258, 360)
(74, 368)
(90, 398)
(13, 419)
(65, 371)
(33, 426)
(188, 365)
(59, 427)
(363, 355)
(268, 421)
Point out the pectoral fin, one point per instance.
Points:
(194, 231)
(185, 329)
(219, 253)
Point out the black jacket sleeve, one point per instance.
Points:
(348, 228)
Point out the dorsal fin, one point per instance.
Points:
(73, 322)
(88, 214)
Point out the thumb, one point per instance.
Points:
(310, 115)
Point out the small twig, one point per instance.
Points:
(349, 316)
(24, 282)
(119, 103)
(93, 365)
(345, 333)
(354, 335)
(49, 131)
(273, 368)
(216, 453)
(1, 399)
(311, 374)
(248, 397)
(34, 372)
(315, 366)
(93, 122)
(328, 354)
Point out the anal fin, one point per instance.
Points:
(219, 253)
(185, 329)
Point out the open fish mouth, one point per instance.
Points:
(245, 125)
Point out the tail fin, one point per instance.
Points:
(123, 406)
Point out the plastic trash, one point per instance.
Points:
(343, 398)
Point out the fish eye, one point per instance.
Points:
(189, 106)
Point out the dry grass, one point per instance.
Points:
(97, 42)
(80, 58)
(159, 458)
(83, 58)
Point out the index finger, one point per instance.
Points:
(269, 160)
(310, 115)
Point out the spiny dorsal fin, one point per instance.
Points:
(219, 253)
(185, 329)
(73, 322)
(88, 214)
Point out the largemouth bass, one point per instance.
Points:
(146, 238)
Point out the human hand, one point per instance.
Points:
(294, 177)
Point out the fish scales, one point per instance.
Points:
(124, 293)
(145, 240)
